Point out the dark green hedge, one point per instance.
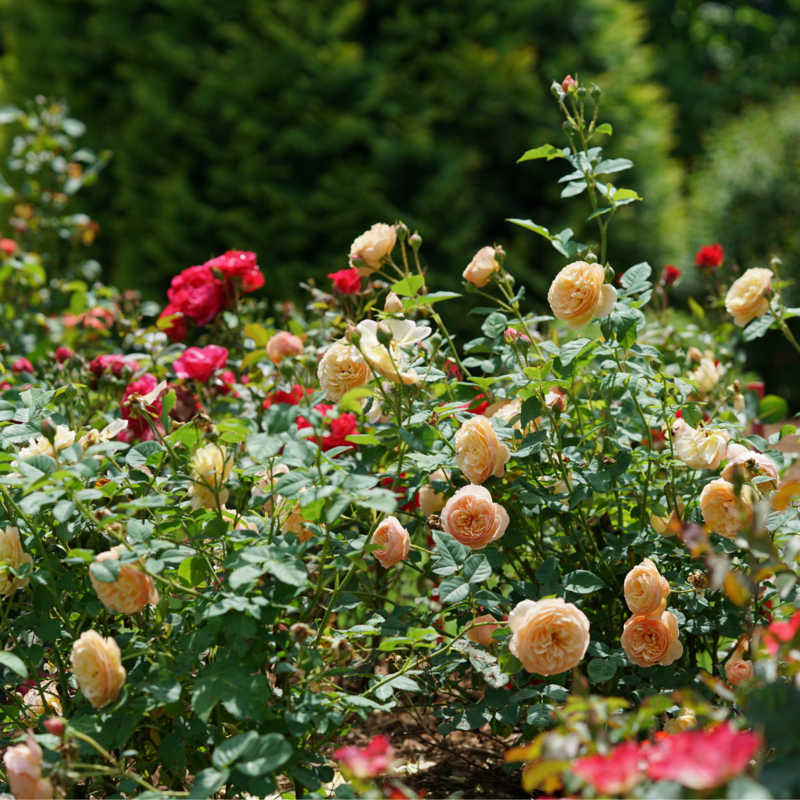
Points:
(290, 126)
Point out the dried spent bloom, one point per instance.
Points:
(12, 556)
(472, 518)
(646, 590)
(702, 448)
(341, 369)
(368, 250)
(23, 763)
(722, 511)
(395, 541)
(210, 469)
(35, 705)
(652, 639)
(549, 636)
(97, 664)
(130, 592)
(479, 453)
(483, 265)
(747, 298)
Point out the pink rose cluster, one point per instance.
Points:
(200, 293)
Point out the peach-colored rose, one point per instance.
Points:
(723, 513)
(646, 590)
(703, 448)
(686, 720)
(11, 555)
(23, 764)
(480, 269)
(479, 453)
(746, 299)
(342, 369)
(369, 249)
(284, 345)
(578, 294)
(97, 664)
(485, 626)
(130, 592)
(431, 501)
(649, 640)
(549, 636)
(471, 517)
(395, 541)
(751, 464)
(294, 521)
(739, 671)
(667, 526)
(735, 450)
(35, 706)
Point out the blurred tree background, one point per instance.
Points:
(290, 126)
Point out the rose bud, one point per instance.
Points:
(555, 400)
(55, 726)
(670, 275)
(568, 83)
(511, 335)
(393, 304)
(384, 335)
(415, 240)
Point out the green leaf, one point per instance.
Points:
(772, 409)
(548, 573)
(453, 590)
(106, 571)
(261, 447)
(601, 670)
(622, 197)
(604, 128)
(139, 532)
(532, 226)
(193, 571)
(409, 286)
(430, 299)
(449, 549)
(692, 414)
(363, 438)
(582, 582)
(545, 151)
(206, 783)
(613, 165)
(14, 663)
(477, 569)
(757, 328)
(573, 349)
(573, 188)
(227, 752)
(265, 755)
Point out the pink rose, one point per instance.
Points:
(471, 517)
(283, 345)
(200, 363)
(23, 764)
(616, 773)
(175, 325)
(369, 762)
(395, 540)
(484, 627)
(22, 365)
(749, 465)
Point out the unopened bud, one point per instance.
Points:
(436, 340)
(595, 91)
(582, 93)
(555, 400)
(415, 240)
(55, 726)
(393, 304)
(384, 334)
(609, 273)
(511, 335)
(738, 403)
(352, 334)
(590, 258)
(656, 364)
(694, 354)
(49, 429)
(568, 84)
(402, 231)
(567, 127)
(499, 253)
(775, 263)
(509, 279)
(555, 88)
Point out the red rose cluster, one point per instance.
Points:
(200, 293)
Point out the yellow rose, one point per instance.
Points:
(703, 448)
(577, 294)
(686, 720)
(479, 453)
(473, 518)
(130, 592)
(395, 541)
(746, 299)
(485, 626)
(342, 369)
(210, 469)
(549, 636)
(12, 556)
(645, 590)
(369, 249)
(23, 764)
(480, 269)
(97, 665)
(652, 639)
(722, 511)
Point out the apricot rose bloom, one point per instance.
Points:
(722, 511)
(97, 664)
(577, 294)
(746, 299)
(483, 265)
(549, 636)
(479, 453)
(130, 592)
(210, 469)
(701, 448)
(738, 671)
(485, 626)
(395, 541)
(471, 517)
(369, 249)
(645, 590)
(284, 345)
(749, 465)
(652, 639)
(686, 720)
(12, 556)
(431, 501)
(23, 764)
(342, 369)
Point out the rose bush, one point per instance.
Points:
(232, 532)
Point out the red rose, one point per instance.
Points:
(197, 293)
(710, 256)
(113, 362)
(291, 398)
(63, 354)
(347, 281)
(226, 383)
(334, 431)
(22, 365)
(8, 246)
(670, 275)
(138, 428)
(451, 369)
(177, 328)
(239, 265)
(200, 363)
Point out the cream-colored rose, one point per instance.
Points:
(723, 513)
(12, 556)
(97, 665)
(485, 626)
(509, 410)
(369, 249)
(667, 526)
(284, 345)
(750, 465)
(35, 706)
(735, 450)
(686, 720)
(646, 591)
(707, 374)
(41, 446)
(394, 540)
(479, 453)
(342, 369)
(210, 469)
(577, 294)
(106, 435)
(703, 448)
(549, 636)
(471, 517)
(746, 299)
(388, 361)
(23, 764)
(650, 640)
(130, 592)
(480, 269)
(431, 501)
